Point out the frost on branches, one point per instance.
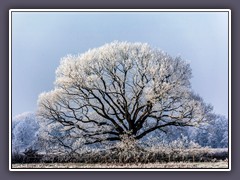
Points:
(25, 129)
(120, 89)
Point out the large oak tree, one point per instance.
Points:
(121, 89)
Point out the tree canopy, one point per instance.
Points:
(25, 129)
(121, 89)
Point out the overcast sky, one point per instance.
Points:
(41, 39)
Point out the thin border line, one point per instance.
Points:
(229, 89)
(121, 10)
(10, 88)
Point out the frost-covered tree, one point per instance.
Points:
(24, 132)
(57, 139)
(213, 134)
(219, 130)
(121, 89)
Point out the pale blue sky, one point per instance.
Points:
(40, 39)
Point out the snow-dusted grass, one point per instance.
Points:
(130, 152)
(133, 157)
(184, 165)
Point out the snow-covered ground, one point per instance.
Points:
(219, 164)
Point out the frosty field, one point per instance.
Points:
(220, 164)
